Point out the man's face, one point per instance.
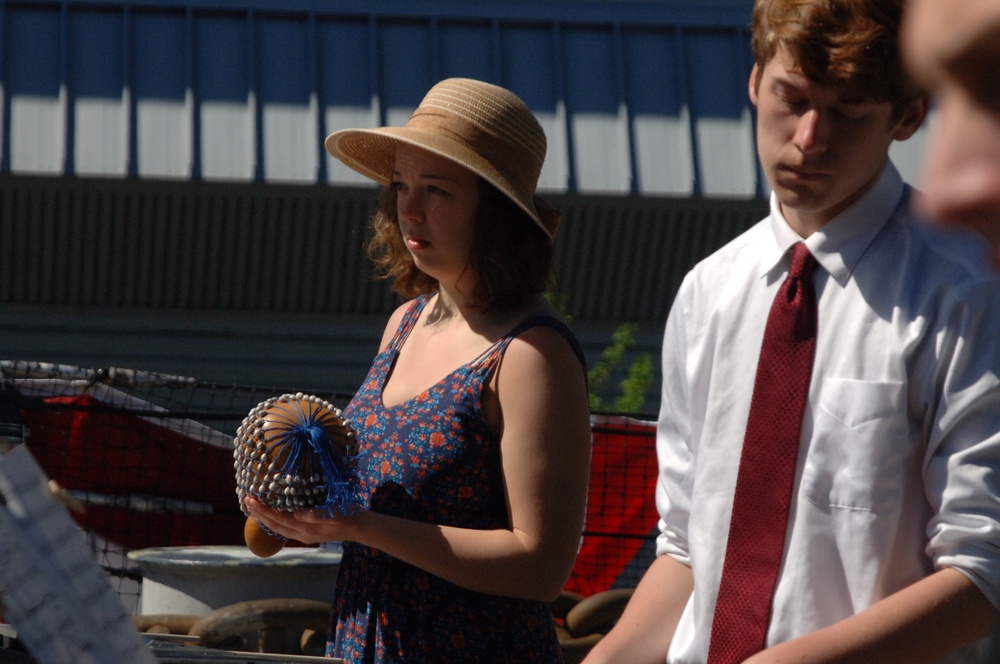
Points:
(820, 152)
(953, 46)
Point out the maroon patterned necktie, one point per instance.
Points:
(767, 468)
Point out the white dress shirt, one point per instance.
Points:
(899, 463)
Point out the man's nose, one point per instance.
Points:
(811, 134)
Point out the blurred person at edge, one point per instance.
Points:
(952, 47)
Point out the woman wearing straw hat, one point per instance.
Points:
(472, 425)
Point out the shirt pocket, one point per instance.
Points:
(857, 458)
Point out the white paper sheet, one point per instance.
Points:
(52, 590)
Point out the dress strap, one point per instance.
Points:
(409, 320)
(492, 354)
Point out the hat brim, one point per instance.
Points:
(372, 152)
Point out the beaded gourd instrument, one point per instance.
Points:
(292, 452)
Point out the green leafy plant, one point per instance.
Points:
(638, 376)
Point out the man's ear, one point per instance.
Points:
(912, 117)
(753, 84)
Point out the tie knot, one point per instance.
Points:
(803, 262)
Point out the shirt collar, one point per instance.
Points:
(839, 245)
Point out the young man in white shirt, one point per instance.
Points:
(893, 532)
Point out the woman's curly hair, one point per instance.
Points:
(510, 255)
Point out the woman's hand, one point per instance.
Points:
(307, 526)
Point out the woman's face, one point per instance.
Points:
(436, 203)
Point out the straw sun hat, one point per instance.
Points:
(483, 127)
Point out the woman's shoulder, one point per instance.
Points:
(542, 335)
(392, 325)
(545, 362)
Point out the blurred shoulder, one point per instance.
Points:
(957, 255)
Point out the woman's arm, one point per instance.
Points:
(545, 449)
(921, 623)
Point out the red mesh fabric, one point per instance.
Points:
(85, 446)
(621, 507)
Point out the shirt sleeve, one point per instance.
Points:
(673, 434)
(962, 463)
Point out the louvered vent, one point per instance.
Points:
(300, 249)
(186, 246)
(622, 259)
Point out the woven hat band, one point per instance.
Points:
(511, 160)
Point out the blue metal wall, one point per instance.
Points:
(636, 97)
(640, 96)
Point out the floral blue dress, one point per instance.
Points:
(433, 459)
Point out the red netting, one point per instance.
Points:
(147, 458)
(619, 536)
